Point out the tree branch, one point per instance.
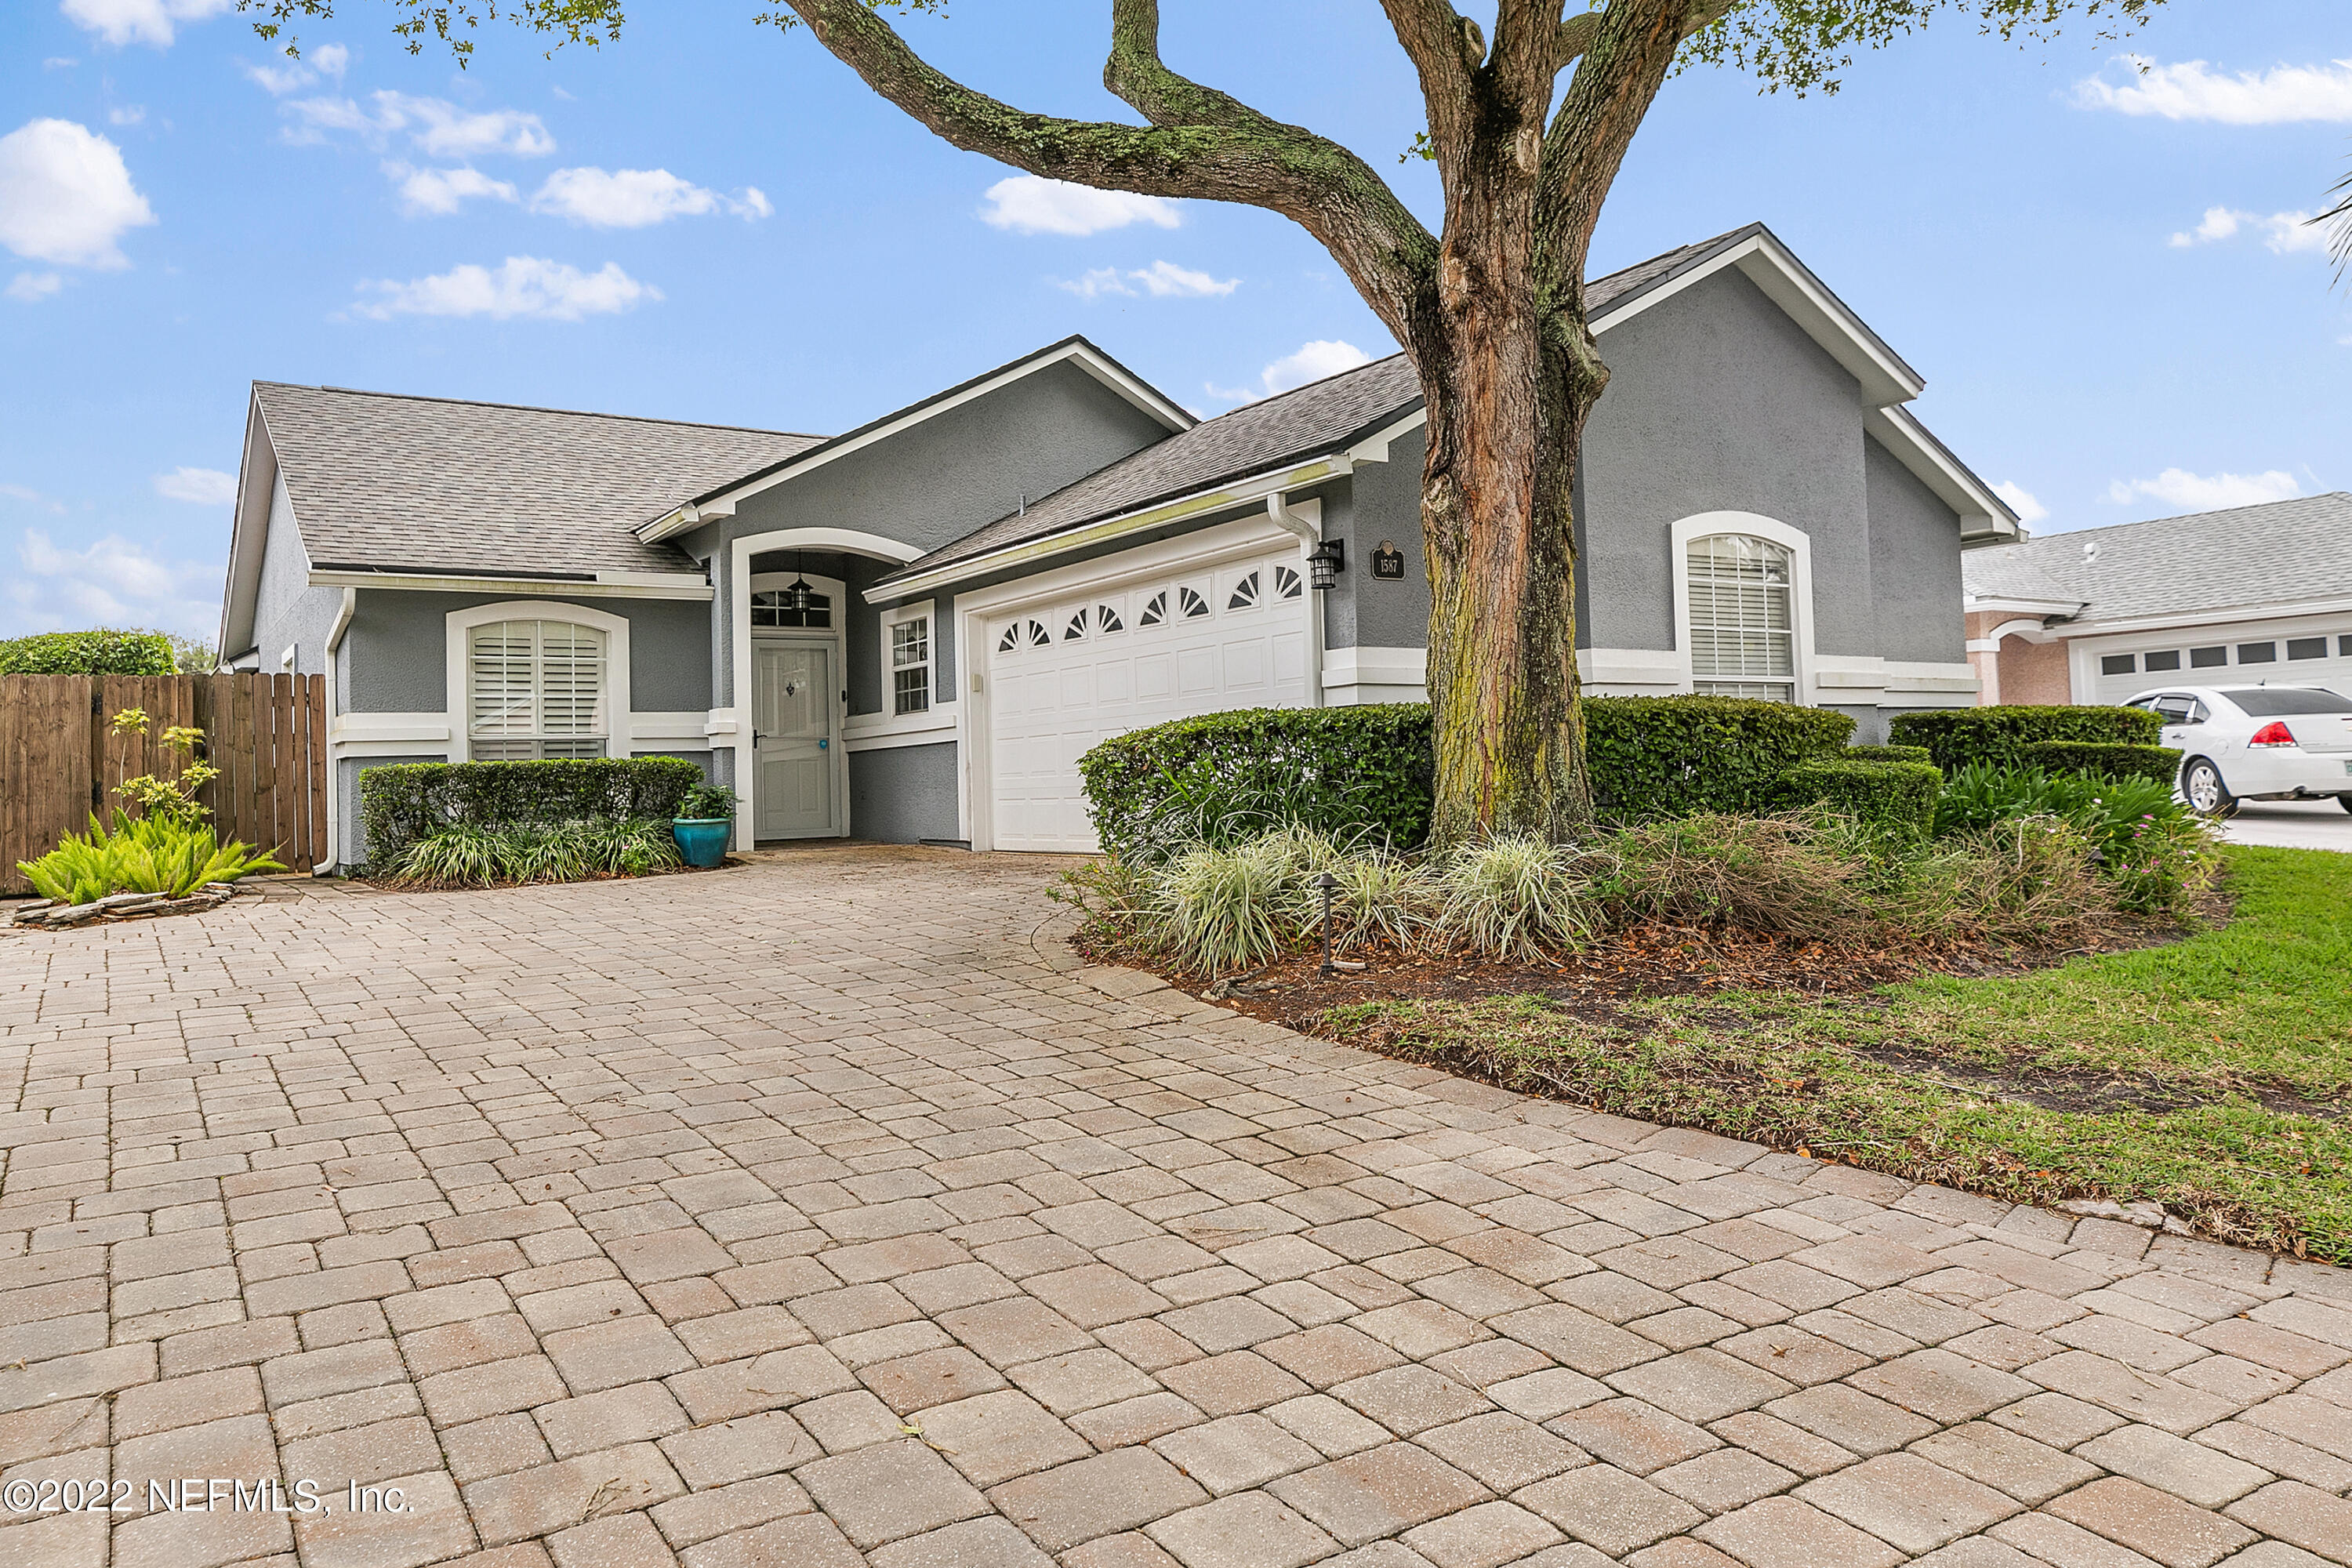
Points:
(1239, 156)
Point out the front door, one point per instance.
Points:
(793, 740)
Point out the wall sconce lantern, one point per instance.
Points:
(1325, 562)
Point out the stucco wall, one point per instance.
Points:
(900, 794)
(1378, 502)
(1915, 564)
(397, 650)
(934, 483)
(286, 611)
(1718, 402)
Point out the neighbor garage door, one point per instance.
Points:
(1076, 671)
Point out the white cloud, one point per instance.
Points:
(437, 193)
(2193, 90)
(30, 496)
(2283, 233)
(112, 583)
(127, 114)
(637, 198)
(1313, 361)
(436, 126)
(520, 286)
(1161, 279)
(204, 487)
(287, 74)
(151, 22)
(1027, 204)
(2202, 492)
(28, 287)
(2022, 502)
(65, 195)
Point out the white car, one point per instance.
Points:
(2256, 742)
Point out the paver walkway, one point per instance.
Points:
(820, 1213)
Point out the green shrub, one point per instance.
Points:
(99, 652)
(1887, 755)
(1223, 778)
(466, 856)
(401, 803)
(1217, 909)
(1955, 737)
(174, 855)
(2106, 759)
(1669, 756)
(2157, 852)
(1897, 796)
(708, 802)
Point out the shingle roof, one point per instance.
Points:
(1320, 417)
(426, 484)
(2246, 557)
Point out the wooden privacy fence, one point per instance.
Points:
(60, 758)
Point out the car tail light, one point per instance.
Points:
(2272, 735)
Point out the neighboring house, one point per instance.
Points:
(913, 630)
(2252, 594)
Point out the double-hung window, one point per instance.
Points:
(535, 689)
(911, 665)
(1743, 620)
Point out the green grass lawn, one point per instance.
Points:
(2242, 1033)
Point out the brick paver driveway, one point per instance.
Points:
(822, 1213)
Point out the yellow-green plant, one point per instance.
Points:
(154, 854)
(175, 797)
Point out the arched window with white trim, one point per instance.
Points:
(1743, 620)
(535, 689)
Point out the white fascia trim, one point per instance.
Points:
(1374, 448)
(1825, 319)
(256, 487)
(1085, 357)
(1983, 516)
(1245, 492)
(876, 732)
(1650, 672)
(365, 730)
(2241, 614)
(1850, 672)
(457, 624)
(615, 585)
(2032, 629)
(1913, 677)
(1997, 603)
(1344, 667)
(682, 730)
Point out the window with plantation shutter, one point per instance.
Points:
(1742, 618)
(536, 688)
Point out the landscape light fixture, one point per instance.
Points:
(1325, 562)
(1328, 884)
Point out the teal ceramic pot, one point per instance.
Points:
(702, 840)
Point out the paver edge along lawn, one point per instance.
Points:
(1927, 1080)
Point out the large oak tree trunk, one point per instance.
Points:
(1506, 411)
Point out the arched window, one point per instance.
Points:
(534, 688)
(1743, 623)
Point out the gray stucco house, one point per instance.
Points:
(912, 630)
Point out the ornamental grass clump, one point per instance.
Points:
(1217, 910)
(1795, 872)
(1515, 898)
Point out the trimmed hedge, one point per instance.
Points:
(1955, 737)
(1887, 755)
(1895, 794)
(1224, 776)
(1227, 776)
(2158, 764)
(1670, 756)
(401, 803)
(99, 652)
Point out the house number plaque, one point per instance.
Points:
(1388, 561)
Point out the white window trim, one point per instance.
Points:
(890, 721)
(619, 719)
(1714, 524)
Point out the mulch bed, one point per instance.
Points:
(1631, 966)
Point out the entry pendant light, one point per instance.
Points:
(797, 596)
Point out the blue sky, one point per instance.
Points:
(2097, 267)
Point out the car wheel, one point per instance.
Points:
(2201, 787)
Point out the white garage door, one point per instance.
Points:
(1075, 671)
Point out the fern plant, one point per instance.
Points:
(169, 855)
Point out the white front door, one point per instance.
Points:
(1068, 674)
(795, 740)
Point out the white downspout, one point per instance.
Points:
(334, 814)
(1278, 508)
